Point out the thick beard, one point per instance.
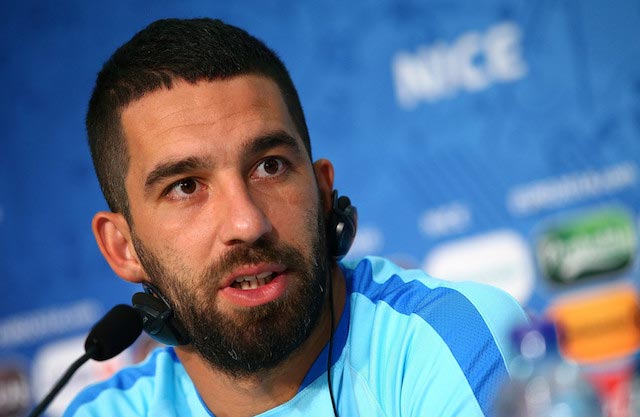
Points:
(259, 338)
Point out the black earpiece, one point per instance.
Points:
(158, 318)
(342, 227)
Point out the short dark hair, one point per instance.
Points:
(165, 51)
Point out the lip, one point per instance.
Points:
(253, 270)
(258, 296)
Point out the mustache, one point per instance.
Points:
(259, 251)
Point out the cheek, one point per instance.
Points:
(191, 247)
(181, 249)
(293, 211)
(185, 230)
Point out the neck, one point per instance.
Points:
(229, 396)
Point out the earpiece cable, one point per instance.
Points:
(330, 353)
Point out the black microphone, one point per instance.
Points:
(115, 332)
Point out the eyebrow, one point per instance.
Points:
(195, 163)
(272, 140)
(174, 168)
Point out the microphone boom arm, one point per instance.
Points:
(61, 383)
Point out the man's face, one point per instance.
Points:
(227, 217)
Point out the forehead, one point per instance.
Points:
(190, 117)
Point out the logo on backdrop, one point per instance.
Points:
(557, 192)
(38, 325)
(500, 258)
(473, 62)
(444, 220)
(599, 243)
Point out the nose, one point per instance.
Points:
(245, 221)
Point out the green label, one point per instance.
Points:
(598, 243)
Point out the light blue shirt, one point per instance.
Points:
(407, 345)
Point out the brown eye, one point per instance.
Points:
(270, 167)
(183, 189)
(187, 186)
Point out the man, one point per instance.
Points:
(202, 152)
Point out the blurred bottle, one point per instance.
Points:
(600, 330)
(634, 389)
(614, 381)
(542, 383)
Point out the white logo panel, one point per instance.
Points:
(501, 258)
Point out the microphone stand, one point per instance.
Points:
(112, 334)
(62, 381)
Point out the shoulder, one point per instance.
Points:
(449, 307)
(128, 391)
(430, 322)
(412, 291)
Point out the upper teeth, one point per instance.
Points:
(254, 281)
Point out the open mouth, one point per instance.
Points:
(251, 282)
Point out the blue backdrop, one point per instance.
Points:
(489, 140)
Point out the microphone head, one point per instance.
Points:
(115, 332)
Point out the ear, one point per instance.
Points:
(323, 169)
(113, 236)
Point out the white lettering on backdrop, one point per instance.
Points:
(473, 62)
